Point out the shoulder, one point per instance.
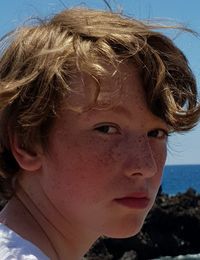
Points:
(13, 245)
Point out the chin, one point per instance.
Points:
(126, 230)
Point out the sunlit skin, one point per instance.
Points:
(94, 159)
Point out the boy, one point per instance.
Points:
(87, 100)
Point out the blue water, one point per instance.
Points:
(178, 178)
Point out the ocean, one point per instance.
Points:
(179, 178)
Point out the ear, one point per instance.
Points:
(29, 161)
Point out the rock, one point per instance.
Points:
(98, 251)
(130, 255)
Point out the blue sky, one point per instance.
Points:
(183, 149)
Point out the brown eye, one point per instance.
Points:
(158, 133)
(107, 129)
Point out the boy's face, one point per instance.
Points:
(103, 168)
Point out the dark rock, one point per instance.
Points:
(130, 255)
(99, 251)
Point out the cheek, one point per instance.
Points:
(81, 166)
(159, 151)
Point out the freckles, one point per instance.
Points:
(129, 151)
(159, 150)
(160, 155)
(120, 151)
(116, 152)
(100, 154)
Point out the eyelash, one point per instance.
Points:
(155, 133)
(104, 129)
(114, 129)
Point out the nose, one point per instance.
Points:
(140, 158)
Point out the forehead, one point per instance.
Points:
(118, 85)
(121, 97)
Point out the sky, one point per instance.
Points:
(182, 148)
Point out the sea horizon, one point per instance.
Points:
(182, 164)
(178, 178)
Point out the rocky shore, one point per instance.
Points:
(172, 228)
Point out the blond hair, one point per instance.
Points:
(38, 63)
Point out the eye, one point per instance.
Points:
(107, 129)
(158, 133)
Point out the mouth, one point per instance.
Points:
(138, 200)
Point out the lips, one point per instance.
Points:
(136, 200)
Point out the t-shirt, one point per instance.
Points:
(14, 247)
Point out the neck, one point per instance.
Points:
(52, 234)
